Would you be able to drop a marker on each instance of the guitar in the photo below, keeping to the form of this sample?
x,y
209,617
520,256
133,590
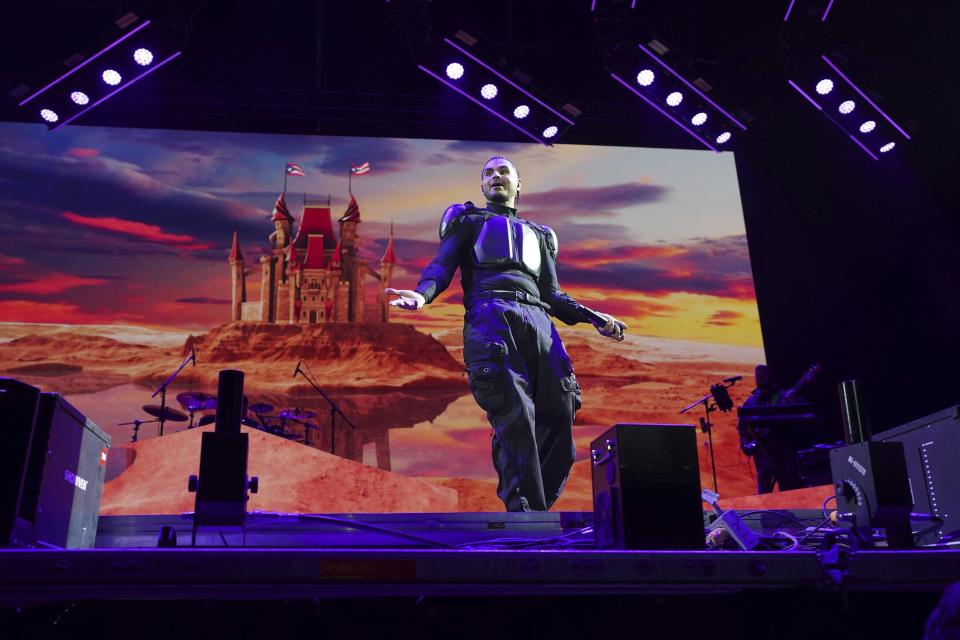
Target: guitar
x,y
748,437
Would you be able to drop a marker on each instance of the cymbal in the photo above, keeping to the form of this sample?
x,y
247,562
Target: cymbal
x,y
197,401
300,415
260,408
205,420
169,414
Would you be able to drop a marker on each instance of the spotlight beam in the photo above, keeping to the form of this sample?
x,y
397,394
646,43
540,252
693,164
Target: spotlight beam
x,y
693,88
819,108
507,80
85,63
661,110
117,90
825,13
789,9
477,102
865,97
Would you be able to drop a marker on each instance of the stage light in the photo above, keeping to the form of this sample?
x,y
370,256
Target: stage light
x,y
887,147
111,77
847,106
521,112
698,119
79,97
143,57
723,137
49,115
645,78
674,98
454,70
868,126
550,131
488,91
825,86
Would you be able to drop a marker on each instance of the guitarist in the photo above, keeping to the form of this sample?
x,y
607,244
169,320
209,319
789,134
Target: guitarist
x,y
774,448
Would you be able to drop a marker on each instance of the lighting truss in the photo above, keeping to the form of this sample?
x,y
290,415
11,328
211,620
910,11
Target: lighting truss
x,y
454,64
848,107
644,73
136,54
818,8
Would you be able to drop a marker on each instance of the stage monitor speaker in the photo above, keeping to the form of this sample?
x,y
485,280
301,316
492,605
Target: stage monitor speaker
x,y
60,501
870,479
18,413
931,447
646,487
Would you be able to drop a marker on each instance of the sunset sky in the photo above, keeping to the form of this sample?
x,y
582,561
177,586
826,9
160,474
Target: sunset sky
x,y
131,226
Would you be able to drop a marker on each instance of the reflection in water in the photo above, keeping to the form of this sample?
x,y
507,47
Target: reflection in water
x,y
373,414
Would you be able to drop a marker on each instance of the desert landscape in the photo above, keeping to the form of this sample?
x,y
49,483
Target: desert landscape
x,y
404,390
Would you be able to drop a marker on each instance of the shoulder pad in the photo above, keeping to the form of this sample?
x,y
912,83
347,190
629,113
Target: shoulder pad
x,y
552,243
451,216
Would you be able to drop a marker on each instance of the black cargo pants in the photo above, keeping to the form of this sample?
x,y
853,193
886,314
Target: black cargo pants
x,y
521,375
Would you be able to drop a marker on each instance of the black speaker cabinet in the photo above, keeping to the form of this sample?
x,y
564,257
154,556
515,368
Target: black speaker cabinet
x,y
646,487
18,413
60,501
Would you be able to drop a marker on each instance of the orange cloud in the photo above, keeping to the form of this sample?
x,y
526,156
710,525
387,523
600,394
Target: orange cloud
x,y
138,229
9,261
83,152
597,253
31,311
50,283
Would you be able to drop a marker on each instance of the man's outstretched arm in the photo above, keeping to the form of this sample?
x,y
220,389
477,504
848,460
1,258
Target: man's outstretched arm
x,y
437,275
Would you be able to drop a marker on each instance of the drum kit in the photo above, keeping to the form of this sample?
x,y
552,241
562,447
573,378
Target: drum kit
x,y
282,423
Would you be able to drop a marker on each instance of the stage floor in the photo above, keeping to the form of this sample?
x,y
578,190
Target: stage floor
x,y
282,556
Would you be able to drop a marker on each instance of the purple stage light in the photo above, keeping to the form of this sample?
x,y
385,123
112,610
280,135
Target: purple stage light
x,y
693,88
80,98
119,89
804,94
723,137
664,112
475,101
488,91
698,119
827,11
550,131
887,147
454,70
143,57
674,98
49,115
864,96
786,16
521,112
847,106
645,78
825,86
510,82
868,126
111,77
83,64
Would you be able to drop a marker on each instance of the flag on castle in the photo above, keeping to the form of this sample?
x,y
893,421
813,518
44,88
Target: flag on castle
x,y
294,170
359,170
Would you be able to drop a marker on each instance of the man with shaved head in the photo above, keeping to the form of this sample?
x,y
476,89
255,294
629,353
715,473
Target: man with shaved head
x,y
518,369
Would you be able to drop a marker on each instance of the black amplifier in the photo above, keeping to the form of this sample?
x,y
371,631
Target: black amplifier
x,y
60,501
646,487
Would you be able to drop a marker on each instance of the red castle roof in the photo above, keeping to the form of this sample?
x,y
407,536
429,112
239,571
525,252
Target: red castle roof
x,y
388,256
280,211
314,258
352,214
335,258
293,258
316,220
235,253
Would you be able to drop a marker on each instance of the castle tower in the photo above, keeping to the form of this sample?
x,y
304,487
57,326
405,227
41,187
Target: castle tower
x,y
238,280
315,289
354,270
279,241
387,263
282,225
340,289
293,285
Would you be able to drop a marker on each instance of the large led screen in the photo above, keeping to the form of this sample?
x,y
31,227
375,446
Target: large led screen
x,y
122,249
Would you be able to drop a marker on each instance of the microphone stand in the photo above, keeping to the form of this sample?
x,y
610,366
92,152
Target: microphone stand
x,y
162,389
334,410
136,426
707,427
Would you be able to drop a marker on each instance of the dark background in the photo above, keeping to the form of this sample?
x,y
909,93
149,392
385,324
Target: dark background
x,y
855,261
